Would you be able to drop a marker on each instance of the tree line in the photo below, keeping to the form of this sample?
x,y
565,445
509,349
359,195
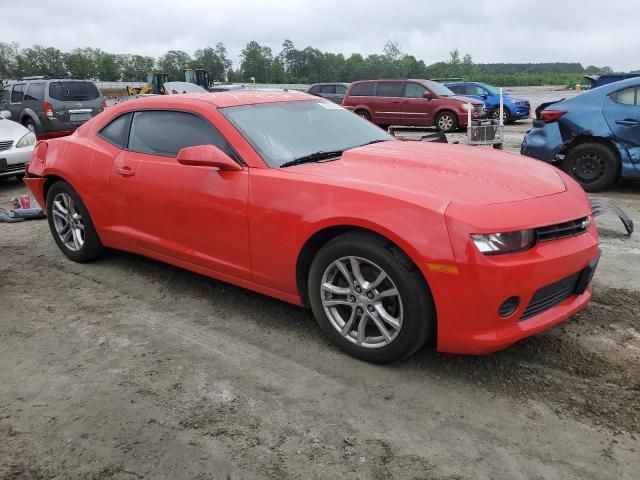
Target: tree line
x,y
289,65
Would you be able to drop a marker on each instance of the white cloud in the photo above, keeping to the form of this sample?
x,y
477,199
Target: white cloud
x,y
586,31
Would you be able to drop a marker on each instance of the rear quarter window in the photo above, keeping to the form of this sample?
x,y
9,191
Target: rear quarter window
x,y
364,89
117,131
73,91
35,92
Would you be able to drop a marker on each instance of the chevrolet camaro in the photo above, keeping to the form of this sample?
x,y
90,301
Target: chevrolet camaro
x,y
391,243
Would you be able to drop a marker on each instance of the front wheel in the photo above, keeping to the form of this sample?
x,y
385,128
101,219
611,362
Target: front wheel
x,y
370,299
71,225
506,116
447,122
592,165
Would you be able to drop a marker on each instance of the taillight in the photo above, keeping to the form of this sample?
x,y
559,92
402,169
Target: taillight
x,y
104,104
47,109
551,115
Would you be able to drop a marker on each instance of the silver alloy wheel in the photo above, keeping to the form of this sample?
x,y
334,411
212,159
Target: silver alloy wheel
x,y
68,222
445,122
496,115
362,302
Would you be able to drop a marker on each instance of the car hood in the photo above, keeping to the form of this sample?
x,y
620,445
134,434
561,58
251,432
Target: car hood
x,y
464,99
514,99
418,171
10,130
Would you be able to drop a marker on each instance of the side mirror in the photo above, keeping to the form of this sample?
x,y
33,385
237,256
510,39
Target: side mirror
x,y
207,156
427,95
485,96
5,114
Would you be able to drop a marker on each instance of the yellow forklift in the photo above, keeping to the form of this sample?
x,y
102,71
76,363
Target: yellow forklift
x,y
155,82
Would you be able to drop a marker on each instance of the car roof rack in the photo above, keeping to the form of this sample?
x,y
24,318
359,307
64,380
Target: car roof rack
x,y
35,77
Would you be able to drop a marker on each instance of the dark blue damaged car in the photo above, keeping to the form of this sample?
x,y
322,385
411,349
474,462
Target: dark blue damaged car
x,y
594,136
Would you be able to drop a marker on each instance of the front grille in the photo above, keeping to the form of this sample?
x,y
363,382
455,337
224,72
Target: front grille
x,y
6,145
551,295
562,230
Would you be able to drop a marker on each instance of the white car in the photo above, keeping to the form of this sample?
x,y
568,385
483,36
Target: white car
x,y
16,146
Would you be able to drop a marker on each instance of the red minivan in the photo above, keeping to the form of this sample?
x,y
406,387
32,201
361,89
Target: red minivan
x,y
423,103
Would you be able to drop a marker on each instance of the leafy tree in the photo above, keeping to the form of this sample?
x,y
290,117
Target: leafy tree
x,y
39,60
393,51
454,56
255,61
135,68
214,60
8,54
173,62
81,63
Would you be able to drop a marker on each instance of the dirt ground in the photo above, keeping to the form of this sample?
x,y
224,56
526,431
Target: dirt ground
x,y
127,368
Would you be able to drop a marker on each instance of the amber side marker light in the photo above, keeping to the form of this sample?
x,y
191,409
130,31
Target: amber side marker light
x,y
442,268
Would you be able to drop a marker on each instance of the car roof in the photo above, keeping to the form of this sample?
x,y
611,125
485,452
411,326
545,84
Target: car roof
x,y
329,83
232,98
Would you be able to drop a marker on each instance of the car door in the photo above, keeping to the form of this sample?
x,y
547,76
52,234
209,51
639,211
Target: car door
x,y
388,103
16,98
417,109
341,90
33,97
193,214
622,112
328,92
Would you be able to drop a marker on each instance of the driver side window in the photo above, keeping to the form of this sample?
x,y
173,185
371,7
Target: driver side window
x,y
165,132
413,90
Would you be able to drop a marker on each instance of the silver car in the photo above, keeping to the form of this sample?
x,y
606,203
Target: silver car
x,y
16,146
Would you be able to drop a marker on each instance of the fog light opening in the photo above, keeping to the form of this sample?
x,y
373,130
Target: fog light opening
x,y
509,306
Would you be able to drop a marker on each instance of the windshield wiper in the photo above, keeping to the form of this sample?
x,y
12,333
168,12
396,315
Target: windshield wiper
x,y
312,157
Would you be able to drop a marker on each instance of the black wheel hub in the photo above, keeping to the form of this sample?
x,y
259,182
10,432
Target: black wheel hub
x,y
589,167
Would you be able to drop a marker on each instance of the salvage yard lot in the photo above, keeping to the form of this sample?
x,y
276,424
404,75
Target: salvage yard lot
x,y
128,368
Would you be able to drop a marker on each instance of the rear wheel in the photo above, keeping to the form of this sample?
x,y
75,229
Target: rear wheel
x,y
447,121
592,165
31,126
71,225
370,299
364,114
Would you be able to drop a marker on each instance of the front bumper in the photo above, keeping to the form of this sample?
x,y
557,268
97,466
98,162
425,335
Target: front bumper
x,y
13,161
468,297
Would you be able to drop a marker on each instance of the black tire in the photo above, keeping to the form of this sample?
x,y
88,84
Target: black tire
x,y
92,248
364,114
417,307
446,121
495,115
31,125
19,177
592,165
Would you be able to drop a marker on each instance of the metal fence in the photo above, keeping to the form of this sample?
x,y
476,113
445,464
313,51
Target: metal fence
x,y
123,85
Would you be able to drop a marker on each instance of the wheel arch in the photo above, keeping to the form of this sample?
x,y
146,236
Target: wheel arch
x,y
29,114
323,236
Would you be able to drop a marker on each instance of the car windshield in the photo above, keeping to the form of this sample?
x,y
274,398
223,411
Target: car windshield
x,y
73,91
283,132
438,88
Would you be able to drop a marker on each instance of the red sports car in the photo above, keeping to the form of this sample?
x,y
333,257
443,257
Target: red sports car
x,y
391,243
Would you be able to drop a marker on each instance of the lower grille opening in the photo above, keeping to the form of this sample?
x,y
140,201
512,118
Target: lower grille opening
x,y
551,295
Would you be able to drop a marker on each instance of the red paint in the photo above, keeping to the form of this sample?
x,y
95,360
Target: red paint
x,y
249,226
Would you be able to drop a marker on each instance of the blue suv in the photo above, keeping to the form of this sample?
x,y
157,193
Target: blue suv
x,y
594,136
514,108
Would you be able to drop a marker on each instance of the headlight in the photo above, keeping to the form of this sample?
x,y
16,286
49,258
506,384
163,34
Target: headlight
x,y
26,141
497,243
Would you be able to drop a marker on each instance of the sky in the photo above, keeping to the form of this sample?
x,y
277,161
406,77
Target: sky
x,y
592,32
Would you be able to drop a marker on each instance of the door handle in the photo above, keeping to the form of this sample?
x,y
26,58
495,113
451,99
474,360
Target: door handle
x,y
628,123
125,171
